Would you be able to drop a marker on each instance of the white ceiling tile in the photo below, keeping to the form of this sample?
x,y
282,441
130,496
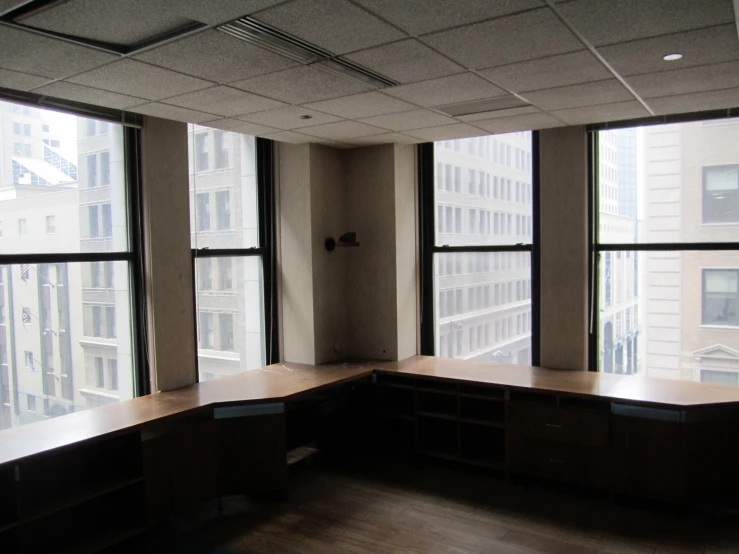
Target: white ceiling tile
x,y
336,25
224,101
610,21
20,81
552,71
447,132
422,16
698,101
605,112
700,47
216,11
506,40
288,118
387,138
342,130
685,81
87,95
406,61
289,136
403,121
139,79
165,111
115,21
216,56
576,96
22,51
498,113
301,84
238,126
367,104
446,90
530,122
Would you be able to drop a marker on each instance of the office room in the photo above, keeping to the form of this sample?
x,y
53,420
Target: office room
x,y
389,276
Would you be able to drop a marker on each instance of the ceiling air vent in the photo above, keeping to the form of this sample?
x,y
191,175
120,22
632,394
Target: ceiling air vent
x,y
267,37
482,106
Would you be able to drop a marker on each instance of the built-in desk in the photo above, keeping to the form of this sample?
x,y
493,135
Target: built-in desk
x,y
127,467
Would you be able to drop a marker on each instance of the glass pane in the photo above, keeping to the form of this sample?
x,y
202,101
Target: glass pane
x,y
63,169
483,306
65,339
670,183
670,315
223,189
484,190
230,315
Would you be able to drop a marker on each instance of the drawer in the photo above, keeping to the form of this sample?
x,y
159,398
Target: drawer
x,y
565,425
566,463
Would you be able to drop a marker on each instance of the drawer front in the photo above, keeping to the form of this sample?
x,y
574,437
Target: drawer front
x,y
572,464
556,424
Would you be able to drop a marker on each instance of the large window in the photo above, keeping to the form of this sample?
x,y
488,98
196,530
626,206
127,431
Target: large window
x,y
478,248
667,251
67,340
230,222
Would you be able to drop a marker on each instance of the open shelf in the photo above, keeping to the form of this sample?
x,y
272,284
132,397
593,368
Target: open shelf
x,y
482,445
481,410
399,381
436,403
481,391
397,402
436,385
398,434
438,436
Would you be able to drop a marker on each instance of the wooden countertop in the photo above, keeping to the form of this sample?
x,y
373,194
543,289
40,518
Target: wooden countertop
x,y
283,381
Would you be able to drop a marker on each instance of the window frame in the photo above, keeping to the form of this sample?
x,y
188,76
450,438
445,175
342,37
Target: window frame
x,y
428,247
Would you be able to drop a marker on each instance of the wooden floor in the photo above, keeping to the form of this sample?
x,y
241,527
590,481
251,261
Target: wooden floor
x,y
368,506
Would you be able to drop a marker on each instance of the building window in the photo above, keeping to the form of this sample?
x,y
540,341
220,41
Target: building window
x,y
224,273
220,149
720,295
50,224
28,360
107,220
27,150
92,218
95,275
97,321
223,209
110,322
226,331
202,211
108,271
99,372
721,194
92,170
91,124
112,377
105,168
22,227
205,274
719,377
206,331
30,403
16,128
201,152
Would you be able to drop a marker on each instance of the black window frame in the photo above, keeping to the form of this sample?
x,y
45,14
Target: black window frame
x,y
428,247
265,171
596,247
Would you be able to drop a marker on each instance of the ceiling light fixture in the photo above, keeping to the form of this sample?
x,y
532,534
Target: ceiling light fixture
x,y
483,106
672,57
306,117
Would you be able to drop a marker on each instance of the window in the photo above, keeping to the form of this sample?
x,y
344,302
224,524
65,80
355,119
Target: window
x,y
479,260
97,321
91,124
92,170
95,275
30,403
28,358
720,295
45,128
92,216
107,220
105,168
22,227
233,263
110,322
16,128
666,303
99,372
26,130
108,269
112,377
27,150
50,224
18,149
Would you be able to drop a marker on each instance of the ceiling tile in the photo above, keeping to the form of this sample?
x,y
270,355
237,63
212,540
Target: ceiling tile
x,y
224,101
698,101
406,61
506,40
289,136
387,138
367,104
289,118
700,47
301,84
165,111
552,71
216,11
416,119
20,81
422,16
342,130
238,126
114,21
446,90
216,56
139,79
528,122
22,51
685,81
498,113
87,95
575,96
610,21
335,25
447,132
605,112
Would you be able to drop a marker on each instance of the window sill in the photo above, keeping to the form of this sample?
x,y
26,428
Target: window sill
x,y
721,327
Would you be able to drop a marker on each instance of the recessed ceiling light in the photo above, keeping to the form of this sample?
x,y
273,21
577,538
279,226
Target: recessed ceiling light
x,y
306,117
672,57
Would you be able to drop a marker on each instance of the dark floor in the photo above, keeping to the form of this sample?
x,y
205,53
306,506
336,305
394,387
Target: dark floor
x,y
395,508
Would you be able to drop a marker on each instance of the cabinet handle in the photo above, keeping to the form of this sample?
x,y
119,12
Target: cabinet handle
x,y
553,426
556,461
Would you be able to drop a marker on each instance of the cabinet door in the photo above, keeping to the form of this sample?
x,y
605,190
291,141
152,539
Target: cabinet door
x,y
646,458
